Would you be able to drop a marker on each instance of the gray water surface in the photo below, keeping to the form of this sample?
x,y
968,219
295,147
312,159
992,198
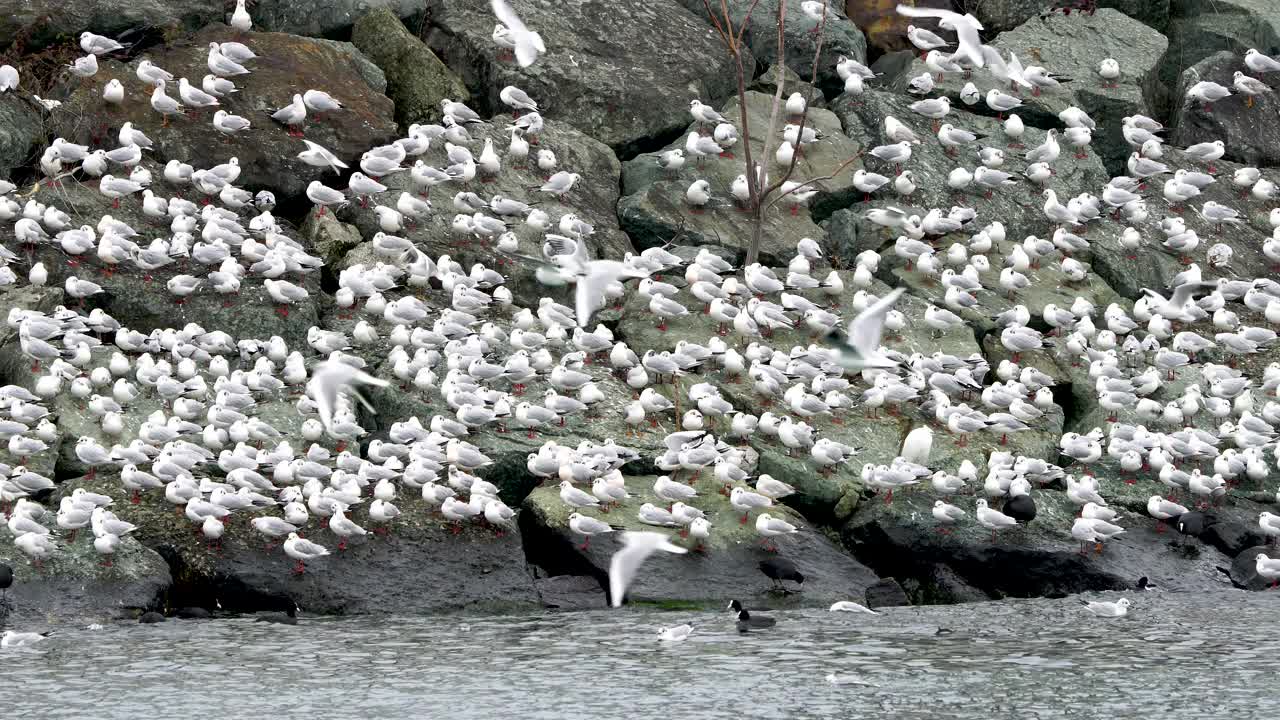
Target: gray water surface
x,y
1203,656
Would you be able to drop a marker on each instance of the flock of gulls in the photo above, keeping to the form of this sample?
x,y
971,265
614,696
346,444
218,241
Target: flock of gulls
x,y
207,453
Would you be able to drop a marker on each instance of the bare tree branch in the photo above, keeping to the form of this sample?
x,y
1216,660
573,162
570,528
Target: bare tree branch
x,y
804,116
746,20
811,181
728,21
781,65
715,23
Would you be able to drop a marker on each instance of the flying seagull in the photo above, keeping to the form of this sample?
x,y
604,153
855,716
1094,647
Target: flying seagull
x,y
859,347
636,547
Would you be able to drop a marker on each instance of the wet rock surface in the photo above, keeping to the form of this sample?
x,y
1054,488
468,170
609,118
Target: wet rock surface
x,y
580,82
286,65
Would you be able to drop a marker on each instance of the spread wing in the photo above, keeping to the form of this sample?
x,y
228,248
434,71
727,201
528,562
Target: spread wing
x,y
1186,292
866,328
637,546
508,17
910,11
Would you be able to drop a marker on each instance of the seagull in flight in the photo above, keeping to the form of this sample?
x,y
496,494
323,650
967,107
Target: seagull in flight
x,y
859,347
636,548
966,27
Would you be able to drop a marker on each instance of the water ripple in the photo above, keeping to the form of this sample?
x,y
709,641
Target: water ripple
x,y
1021,658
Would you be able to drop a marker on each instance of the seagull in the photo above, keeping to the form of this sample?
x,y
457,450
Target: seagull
x,y
860,346
1101,608
966,27
302,551
626,562
331,380
675,634
849,606
528,44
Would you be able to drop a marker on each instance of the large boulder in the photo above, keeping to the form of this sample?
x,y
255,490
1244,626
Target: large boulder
x,y
1036,559
15,368
654,209
1200,28
1154,266
1249,134
286,64
20,127
725,567
141,301
372,74
76,585
840,35
620,85
416,79
592,199
419,566
1019,208
1001,15
330,18
36,23
1072,46
1244,568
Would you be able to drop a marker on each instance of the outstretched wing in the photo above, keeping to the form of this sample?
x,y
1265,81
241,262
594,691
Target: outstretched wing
x,y
1186,292
637,546
866,328
508,17
910,11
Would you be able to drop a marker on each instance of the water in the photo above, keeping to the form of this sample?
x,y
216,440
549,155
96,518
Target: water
x,y
1203,655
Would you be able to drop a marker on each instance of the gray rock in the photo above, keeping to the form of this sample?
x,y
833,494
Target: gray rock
x,y
417,80
1244,572
20,127
1200,28
767,83
886,593
473,569
371,73
593,200
287,64
902,538
331,237
1001,15
1247,132
892,66
654,209
38,23
571,592
1072,46
140,300
625,94
74,585
331,18
942,586
1154,266
840,36
725,568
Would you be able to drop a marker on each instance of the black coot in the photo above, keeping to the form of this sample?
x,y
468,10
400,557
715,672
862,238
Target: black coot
x,y
780,569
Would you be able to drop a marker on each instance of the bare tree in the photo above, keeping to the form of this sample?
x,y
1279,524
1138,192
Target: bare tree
x,y
763,194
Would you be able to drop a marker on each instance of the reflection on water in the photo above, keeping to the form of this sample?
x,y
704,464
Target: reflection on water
x,y
1205,655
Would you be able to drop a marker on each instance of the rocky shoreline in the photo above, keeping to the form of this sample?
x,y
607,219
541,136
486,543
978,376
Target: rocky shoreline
x,y
611,109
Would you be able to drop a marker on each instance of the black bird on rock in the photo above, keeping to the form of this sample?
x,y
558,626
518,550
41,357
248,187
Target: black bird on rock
x,y
6,578
781,569
1021,508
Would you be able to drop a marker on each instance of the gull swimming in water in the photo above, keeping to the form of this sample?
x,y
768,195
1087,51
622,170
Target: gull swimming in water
x,y
1102,608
